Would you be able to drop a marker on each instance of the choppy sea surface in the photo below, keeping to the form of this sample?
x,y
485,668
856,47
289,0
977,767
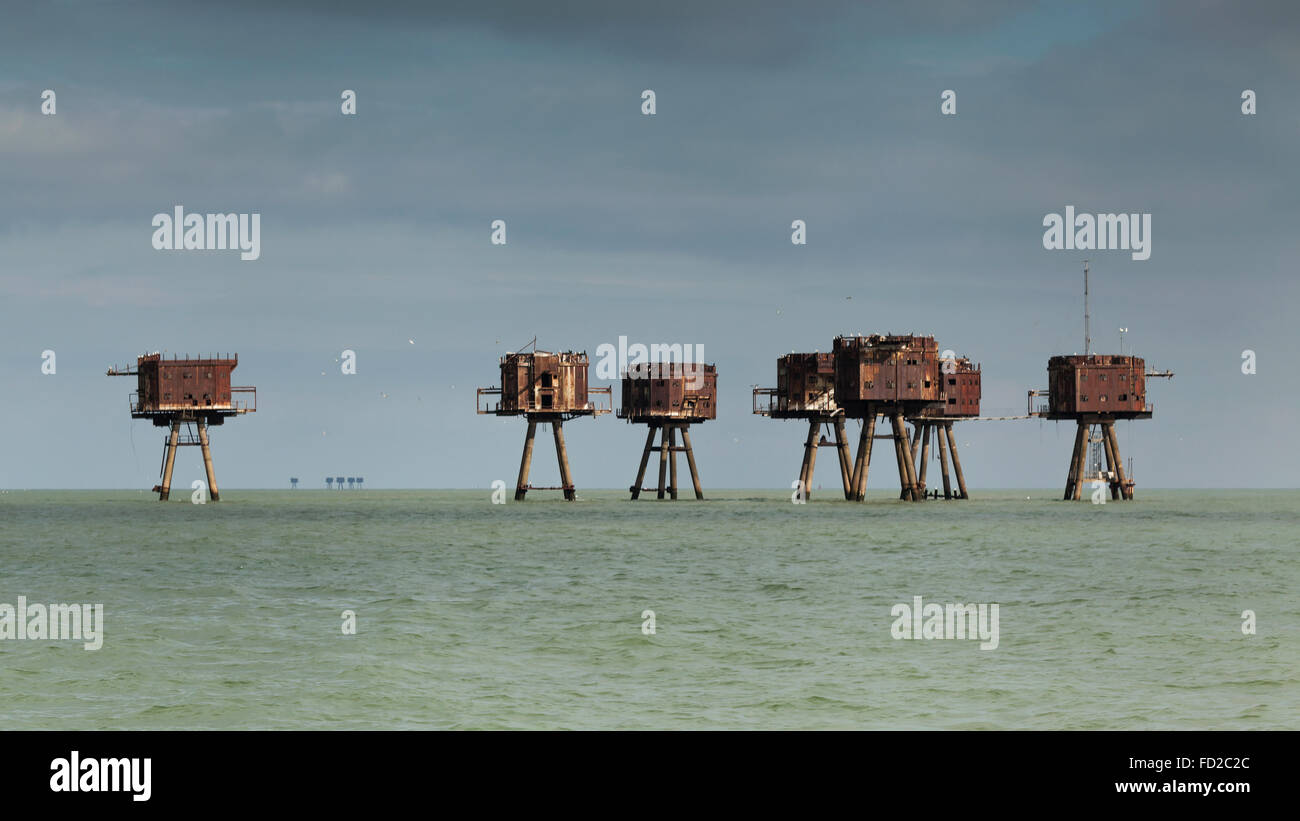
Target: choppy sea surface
x,y
766,614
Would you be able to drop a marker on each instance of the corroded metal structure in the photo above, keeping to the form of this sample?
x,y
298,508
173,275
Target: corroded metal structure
x,y
1096,390
544,387
895,376
805,389
668,398
187,396
960,391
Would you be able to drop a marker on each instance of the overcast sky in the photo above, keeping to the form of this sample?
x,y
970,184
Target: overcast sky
x,y
673,228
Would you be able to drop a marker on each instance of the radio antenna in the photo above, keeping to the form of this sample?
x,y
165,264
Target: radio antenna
x,y
1087,338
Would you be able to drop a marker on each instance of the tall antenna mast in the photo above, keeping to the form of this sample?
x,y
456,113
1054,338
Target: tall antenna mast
x,y
1087,338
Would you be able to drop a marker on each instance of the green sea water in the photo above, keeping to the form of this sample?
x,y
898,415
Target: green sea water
x,y
767,614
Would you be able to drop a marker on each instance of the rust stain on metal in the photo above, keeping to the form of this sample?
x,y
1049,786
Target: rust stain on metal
x,y
187,387
187,395
668,397
543,384
1094,384
960,391
805,388
898,376
895,369
1096,390
544,387
684,392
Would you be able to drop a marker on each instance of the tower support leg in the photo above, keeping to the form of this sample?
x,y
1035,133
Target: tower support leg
x,y
1082,471
863,464
898,459
956,462
1072,477
690,461
1113,479
645,460
169,462
562,453
672,461
942,439
900,451
1126,491
803,469
842,448
521,484
810,456
924,429
207,461
663,459
904,493
909,461
918,493
1081,460
855,478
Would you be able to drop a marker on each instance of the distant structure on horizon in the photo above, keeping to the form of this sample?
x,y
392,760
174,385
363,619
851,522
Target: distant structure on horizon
x,y
189,394
960,391
805,389
544,387
1095,390
293,482
667,397
900,377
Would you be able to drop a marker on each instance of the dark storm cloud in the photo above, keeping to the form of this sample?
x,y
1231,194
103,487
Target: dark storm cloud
x,y
1229,22
375,227
705,31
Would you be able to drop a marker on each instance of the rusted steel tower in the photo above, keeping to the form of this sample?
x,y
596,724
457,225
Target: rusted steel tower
x,y
805,389
668,398
186,393
960,389
1096,389
895,376
544,387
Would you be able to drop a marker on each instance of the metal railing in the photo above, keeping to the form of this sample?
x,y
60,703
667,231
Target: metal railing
x,y
766,401
236,405
595,406
243,406
684,411
770,400
492,407
1029,403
